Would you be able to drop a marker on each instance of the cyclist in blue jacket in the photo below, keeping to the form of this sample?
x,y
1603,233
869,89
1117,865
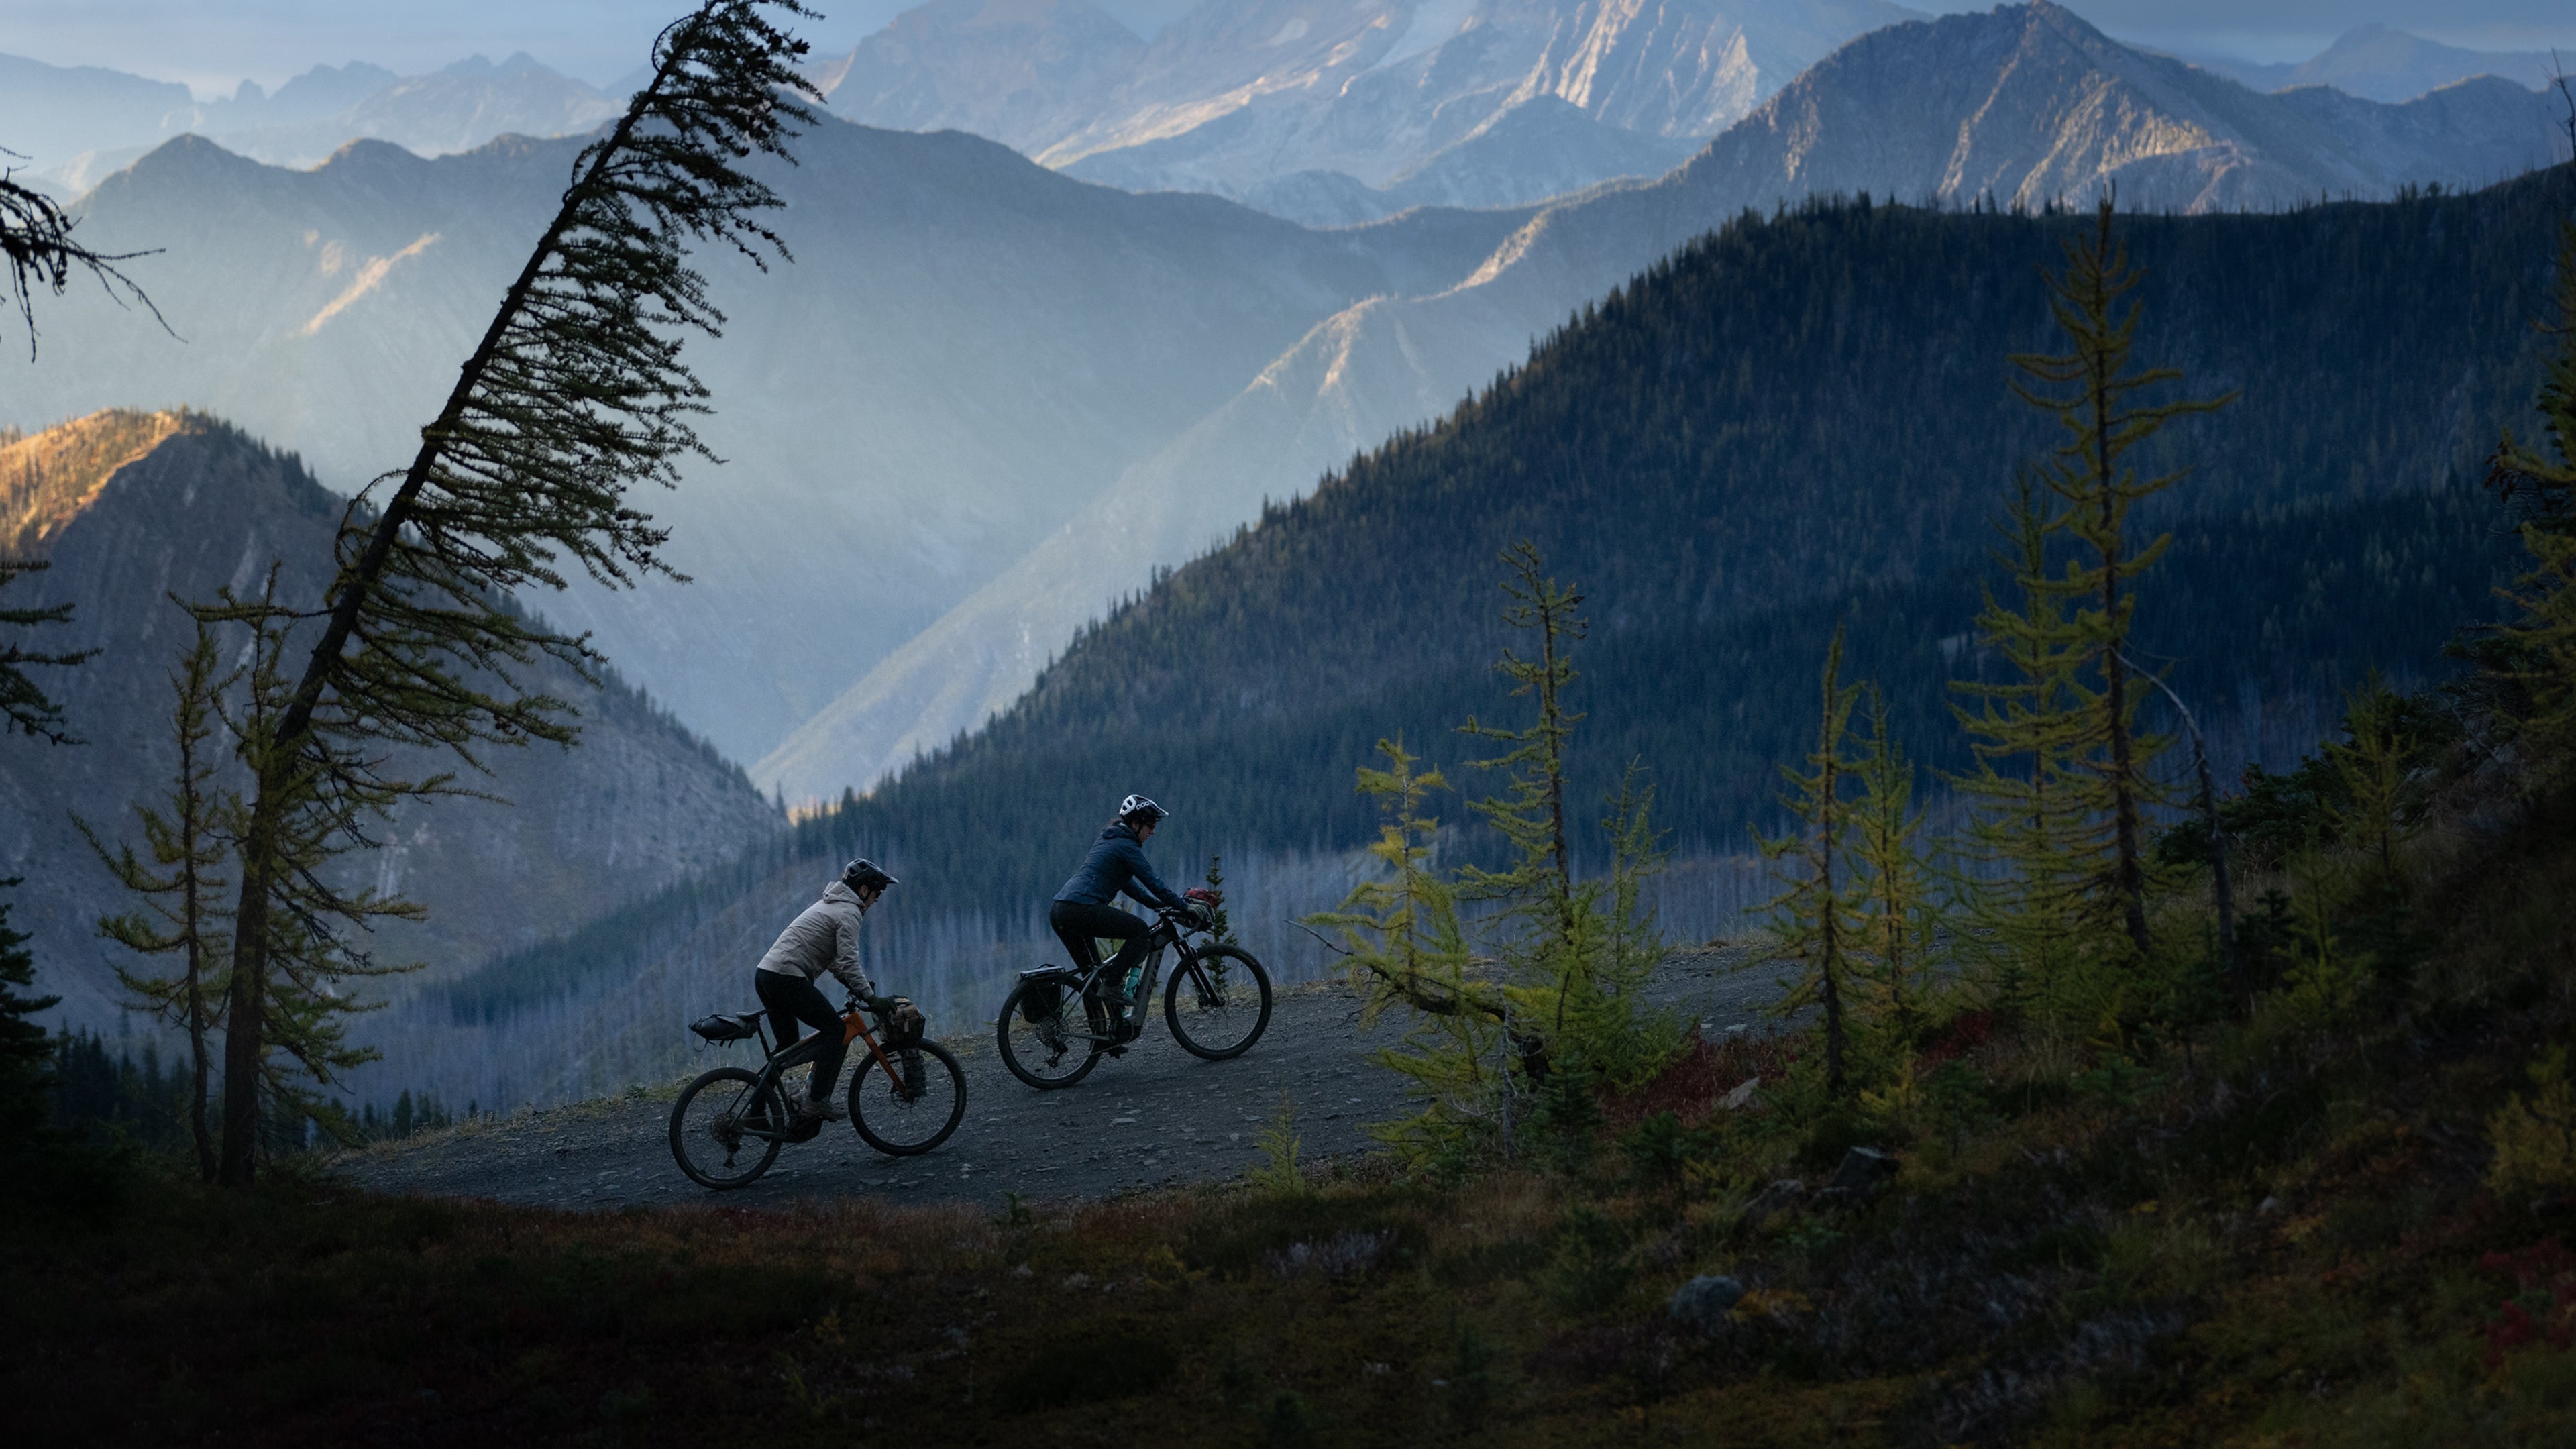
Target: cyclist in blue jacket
x,y
1082,912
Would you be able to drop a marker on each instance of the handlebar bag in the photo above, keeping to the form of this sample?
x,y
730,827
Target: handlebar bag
x,y
904,1022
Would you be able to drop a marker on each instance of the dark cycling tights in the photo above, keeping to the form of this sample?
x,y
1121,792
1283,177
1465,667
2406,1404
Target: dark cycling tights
x,y
1078,925
792,999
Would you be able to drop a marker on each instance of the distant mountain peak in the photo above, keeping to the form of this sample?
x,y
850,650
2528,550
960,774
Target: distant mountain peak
x,y
479,64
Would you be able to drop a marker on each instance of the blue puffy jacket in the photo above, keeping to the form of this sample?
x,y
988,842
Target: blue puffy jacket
x,y
1117,863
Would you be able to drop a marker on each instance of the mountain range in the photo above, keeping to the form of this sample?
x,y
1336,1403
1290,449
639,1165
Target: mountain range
x,y
2381,64
989,400
967,349
79,125
1332,110
2020,106
133,510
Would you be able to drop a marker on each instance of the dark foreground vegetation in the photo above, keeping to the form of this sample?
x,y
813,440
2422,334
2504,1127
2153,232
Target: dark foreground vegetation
x,y
2293,1228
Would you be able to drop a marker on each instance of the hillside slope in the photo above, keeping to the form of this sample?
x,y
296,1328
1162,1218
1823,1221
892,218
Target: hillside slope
x,y
1802,420
1797,417
132,508
2026,103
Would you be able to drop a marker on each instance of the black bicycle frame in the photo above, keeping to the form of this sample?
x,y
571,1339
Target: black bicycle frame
x,y
1166,934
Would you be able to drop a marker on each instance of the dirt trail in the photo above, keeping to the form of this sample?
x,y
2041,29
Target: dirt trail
x,y
1155,1117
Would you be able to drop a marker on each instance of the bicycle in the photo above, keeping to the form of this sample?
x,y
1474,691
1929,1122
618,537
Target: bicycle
x,y
1048,1044
728,1125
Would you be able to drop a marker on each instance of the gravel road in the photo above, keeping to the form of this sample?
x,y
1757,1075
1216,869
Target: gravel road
x,y
1155,1117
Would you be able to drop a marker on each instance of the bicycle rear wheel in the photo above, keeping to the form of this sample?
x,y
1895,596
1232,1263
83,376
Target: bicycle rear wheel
x,y
725,1129
915,1114
1219,1005
1055,1050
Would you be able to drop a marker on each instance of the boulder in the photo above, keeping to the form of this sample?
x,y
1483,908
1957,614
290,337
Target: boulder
x,y
1702,1302
1863,1172
1778,1198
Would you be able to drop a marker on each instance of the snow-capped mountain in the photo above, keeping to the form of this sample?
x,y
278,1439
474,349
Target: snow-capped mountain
x,y
1478,101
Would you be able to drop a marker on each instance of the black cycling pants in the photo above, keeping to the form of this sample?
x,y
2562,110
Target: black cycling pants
x,y
793,999
1078,925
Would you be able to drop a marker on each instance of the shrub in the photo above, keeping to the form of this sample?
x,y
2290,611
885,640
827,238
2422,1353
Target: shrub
x,y
2535,1140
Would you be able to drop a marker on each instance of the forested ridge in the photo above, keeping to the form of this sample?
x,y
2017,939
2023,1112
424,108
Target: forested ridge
x,y
1796,417
1800,418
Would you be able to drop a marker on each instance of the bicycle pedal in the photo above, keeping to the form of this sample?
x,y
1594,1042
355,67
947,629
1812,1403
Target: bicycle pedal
x,y
1114,1051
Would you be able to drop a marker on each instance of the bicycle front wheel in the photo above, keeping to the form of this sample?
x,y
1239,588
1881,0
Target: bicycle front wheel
x,y
1054,1050
915,1109
726,1127
1219,1004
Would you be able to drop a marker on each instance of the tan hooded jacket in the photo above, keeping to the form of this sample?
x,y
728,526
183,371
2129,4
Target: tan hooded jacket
x,y
824,937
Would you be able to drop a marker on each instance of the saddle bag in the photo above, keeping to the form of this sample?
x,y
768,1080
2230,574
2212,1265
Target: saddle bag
x,y
739,1027
1045,993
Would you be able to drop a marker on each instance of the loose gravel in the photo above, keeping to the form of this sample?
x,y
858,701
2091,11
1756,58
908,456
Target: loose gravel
x,y
1155,1117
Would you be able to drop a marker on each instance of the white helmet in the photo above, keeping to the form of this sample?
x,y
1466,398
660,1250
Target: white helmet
x,y
1136,805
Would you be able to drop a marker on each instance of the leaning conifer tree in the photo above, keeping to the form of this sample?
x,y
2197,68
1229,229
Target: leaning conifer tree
x,y
575,395
2092,391
1814,910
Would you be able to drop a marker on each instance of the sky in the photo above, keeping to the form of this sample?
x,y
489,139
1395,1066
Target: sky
x,y
212,45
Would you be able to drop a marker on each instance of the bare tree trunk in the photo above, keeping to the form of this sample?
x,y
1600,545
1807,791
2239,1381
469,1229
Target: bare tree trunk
x,y
244,1044
2222,888
2115,694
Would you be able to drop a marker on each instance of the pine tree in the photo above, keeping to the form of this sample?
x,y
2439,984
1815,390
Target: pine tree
x,y
188,843
2534,657
1403,945
1813,913
2028,915
575,394
2091,390
1570,955
1898,921
24,706
1220,928
317,928
25,1054
1539,888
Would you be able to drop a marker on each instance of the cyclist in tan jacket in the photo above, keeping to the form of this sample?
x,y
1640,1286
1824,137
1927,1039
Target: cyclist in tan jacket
x,y
824,937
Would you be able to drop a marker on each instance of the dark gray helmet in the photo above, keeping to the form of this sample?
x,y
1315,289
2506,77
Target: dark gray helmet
x,y
862,873
1136,809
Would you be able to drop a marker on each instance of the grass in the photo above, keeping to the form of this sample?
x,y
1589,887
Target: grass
x,y
2284,1235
